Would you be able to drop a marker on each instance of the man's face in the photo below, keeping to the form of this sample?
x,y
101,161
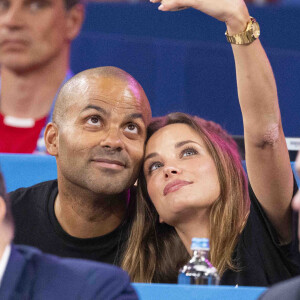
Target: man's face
x,y
32,32
101,138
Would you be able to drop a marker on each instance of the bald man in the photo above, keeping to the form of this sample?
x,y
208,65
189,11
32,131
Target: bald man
x,y
97,137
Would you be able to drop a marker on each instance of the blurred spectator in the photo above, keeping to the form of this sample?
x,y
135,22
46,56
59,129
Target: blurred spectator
x,y
35,39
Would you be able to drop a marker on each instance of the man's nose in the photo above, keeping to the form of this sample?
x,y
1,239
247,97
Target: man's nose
x,y
170,171
111,140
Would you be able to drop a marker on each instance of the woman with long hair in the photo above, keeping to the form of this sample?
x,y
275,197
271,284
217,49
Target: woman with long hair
x,y
193,183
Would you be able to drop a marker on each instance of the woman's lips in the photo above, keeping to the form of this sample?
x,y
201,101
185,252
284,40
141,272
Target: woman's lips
x,y
175,185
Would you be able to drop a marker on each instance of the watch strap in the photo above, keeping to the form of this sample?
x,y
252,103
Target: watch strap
x,y
245,37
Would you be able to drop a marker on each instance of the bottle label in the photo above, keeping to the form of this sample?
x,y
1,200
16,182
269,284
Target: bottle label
x,y
183,279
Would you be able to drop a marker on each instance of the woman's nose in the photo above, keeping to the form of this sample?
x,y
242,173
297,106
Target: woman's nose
x,y
171,171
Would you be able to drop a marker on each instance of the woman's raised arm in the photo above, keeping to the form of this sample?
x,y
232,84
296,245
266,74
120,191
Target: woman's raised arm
x,y
267,158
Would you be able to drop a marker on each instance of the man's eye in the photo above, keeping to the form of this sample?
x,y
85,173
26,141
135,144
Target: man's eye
x,y
94,120
188,152
37,4
4,5
132,128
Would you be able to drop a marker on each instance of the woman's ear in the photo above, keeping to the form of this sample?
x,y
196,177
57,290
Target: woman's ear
x,y
51,138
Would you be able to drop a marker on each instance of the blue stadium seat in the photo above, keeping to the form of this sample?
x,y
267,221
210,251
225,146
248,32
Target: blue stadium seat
x,y
22,170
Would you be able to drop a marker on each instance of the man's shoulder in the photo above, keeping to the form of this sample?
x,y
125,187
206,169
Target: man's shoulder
x,y
34,191
289,289
76,276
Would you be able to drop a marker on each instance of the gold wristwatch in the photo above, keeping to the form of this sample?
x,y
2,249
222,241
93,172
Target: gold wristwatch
x,y
251,33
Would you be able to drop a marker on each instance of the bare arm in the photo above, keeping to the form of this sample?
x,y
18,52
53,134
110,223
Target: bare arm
x,y
267,156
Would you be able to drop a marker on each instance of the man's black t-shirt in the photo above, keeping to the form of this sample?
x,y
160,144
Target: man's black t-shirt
x,y
36,225
261,259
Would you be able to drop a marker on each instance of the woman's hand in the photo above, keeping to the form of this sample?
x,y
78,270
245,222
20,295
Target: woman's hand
x,y
233,12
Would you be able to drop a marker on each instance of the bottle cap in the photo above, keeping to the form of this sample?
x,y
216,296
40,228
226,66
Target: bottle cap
x,y
200,244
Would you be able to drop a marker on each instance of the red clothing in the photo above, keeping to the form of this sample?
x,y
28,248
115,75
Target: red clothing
x,y
19,138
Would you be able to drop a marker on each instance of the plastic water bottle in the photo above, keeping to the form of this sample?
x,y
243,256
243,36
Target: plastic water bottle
x,y
199,270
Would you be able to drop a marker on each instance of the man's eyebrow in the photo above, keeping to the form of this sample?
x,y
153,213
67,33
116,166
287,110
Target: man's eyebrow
x,y
135,116
90,106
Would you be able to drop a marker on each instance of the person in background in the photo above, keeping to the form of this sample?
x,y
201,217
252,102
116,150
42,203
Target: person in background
x,y
193,183
97,137
35,39
289,289
27,273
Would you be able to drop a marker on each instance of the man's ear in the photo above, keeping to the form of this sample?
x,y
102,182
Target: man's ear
x,y
75,17
51,138
2,210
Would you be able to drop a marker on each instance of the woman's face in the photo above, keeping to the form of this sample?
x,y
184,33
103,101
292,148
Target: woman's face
x,y
181,175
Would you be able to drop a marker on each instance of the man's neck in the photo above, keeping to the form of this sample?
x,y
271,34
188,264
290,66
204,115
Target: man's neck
x,y
4,258
30,94
6,234
3,246
86,215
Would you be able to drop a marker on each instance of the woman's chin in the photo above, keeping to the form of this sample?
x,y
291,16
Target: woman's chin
x,y
178,213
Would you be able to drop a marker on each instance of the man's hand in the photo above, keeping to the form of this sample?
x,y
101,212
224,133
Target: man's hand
x,y
233,12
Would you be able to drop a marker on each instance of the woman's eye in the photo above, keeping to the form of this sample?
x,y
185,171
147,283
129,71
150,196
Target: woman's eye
x,y
154,166
132,128
94,120
189,152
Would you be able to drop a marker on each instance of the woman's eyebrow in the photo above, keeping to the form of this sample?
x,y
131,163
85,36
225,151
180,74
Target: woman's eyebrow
x,y
180,144
153,154
177,145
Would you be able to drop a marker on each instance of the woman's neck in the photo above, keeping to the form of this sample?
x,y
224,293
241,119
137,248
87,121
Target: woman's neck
x,y
197,225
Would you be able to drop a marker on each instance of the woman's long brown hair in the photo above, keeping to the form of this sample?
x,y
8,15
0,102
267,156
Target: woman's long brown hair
x,y
154,251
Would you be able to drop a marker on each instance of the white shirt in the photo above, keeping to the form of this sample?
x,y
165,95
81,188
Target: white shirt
x,y
4,261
